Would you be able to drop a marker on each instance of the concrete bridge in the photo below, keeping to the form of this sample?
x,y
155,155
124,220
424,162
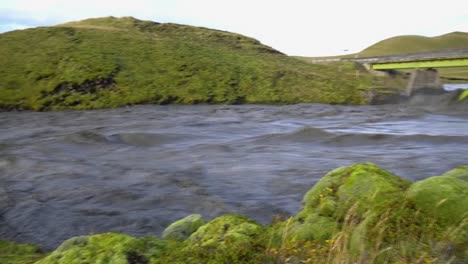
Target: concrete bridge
x,y
424,75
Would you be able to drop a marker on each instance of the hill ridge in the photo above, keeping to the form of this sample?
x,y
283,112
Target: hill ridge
x,y
88,64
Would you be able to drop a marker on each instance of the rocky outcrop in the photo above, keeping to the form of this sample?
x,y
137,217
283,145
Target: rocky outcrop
x,y
380,96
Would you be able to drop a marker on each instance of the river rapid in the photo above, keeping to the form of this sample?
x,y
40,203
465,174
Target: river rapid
x,y
135,170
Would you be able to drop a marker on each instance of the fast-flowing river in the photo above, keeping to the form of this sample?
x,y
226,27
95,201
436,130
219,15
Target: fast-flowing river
x,y
135,170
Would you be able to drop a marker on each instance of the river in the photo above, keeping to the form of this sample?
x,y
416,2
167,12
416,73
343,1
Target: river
x,y
135,170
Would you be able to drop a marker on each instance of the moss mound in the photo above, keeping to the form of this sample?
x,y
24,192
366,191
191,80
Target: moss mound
x,y
110,62
183,228
105,248
364,211
225,230
444,198
460,172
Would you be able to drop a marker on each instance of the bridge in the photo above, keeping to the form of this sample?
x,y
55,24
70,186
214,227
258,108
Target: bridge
x,y
435,59
424,75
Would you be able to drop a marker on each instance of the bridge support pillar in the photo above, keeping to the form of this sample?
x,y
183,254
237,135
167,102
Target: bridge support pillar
x,y
427,81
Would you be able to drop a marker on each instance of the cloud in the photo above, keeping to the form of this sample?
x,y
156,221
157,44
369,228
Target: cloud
x,y
296,27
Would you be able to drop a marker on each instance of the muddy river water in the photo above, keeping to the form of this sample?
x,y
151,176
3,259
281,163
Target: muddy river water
x,y
137,169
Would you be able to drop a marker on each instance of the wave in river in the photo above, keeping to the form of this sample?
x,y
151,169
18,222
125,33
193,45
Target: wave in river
x,y
322,136
132,139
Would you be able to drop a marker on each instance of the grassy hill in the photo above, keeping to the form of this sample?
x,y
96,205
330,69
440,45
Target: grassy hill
x,y
111,62
413,44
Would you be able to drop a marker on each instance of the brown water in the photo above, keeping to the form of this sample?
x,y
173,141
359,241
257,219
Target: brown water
x,y
135,170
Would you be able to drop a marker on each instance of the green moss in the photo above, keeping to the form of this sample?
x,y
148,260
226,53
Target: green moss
x,y
225,229
313,228
183,228
365,208
367,186
445,198
85,65
12,253
350,201
226,239
105,248
460,172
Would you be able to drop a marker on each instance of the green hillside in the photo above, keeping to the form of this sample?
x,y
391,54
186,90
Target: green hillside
x,y
411,44
111,62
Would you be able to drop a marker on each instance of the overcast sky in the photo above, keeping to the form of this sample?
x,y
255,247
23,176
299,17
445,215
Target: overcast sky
x,y
295,27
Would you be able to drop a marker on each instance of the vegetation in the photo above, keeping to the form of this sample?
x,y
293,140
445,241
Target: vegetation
x,y
111,62
463,95
355,214
11,253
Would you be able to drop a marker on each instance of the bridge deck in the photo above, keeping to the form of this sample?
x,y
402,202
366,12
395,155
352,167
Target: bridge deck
x,y
413,57
446,63
436,59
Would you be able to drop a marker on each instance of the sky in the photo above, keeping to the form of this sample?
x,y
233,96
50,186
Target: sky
x,y
295,27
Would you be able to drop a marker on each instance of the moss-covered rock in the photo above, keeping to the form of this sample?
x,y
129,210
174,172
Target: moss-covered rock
x,y
106,248
366,186
224,230
445,198
12,253
313,227
226,239
354,196
183,228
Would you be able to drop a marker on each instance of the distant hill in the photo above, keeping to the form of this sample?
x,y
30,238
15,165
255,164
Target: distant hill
x,y
111,62
412,44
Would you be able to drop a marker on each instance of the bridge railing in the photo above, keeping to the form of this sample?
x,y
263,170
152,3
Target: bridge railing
x,y
417,56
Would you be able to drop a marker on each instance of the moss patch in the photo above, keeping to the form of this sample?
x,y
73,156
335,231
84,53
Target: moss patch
x,y
106,248
12,253
183,228
367,186
445,198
